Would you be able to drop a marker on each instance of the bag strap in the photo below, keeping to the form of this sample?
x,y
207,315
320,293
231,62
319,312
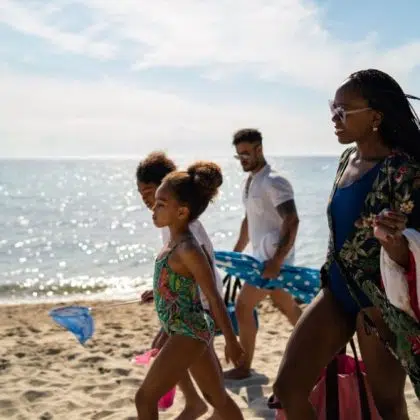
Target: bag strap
x,y
364,401
332,401
332,398
236,286
227,284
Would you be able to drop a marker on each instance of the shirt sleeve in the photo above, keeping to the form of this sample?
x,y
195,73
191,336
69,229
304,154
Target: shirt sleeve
x,y
279,190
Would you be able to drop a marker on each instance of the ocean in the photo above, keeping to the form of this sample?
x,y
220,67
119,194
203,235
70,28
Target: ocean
x,y
77,229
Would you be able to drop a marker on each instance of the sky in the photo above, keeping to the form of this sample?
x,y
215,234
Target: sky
x,y
122,78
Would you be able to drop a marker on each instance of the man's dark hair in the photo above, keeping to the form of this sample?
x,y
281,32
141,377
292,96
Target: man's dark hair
x,y
154,168
247,135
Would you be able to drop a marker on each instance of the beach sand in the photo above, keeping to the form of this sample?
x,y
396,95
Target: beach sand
x,y
46,374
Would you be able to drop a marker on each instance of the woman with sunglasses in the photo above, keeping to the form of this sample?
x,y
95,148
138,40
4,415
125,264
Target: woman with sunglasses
x,y
376,195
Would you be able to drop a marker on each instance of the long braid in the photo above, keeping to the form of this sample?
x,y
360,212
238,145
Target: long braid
x,y
400,127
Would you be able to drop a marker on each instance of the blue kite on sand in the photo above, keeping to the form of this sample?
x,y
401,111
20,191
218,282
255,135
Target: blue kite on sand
x,y
301,282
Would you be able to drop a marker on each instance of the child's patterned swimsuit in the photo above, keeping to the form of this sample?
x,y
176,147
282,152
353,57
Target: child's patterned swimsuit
x,y
178,303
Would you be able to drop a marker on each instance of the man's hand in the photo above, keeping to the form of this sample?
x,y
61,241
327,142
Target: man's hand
x,y
271,269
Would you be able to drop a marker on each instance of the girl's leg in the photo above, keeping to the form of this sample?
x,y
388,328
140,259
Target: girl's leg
x,y
385,374
207,372
178,353
194,404
195,407
215,415
322,330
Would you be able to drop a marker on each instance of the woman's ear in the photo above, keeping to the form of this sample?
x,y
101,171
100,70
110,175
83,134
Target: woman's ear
x,y
377,120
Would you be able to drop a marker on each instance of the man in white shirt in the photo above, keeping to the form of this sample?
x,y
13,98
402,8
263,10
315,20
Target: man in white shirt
x,y
270,225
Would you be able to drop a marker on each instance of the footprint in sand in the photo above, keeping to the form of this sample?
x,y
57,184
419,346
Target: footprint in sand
x,y
93,359
121,372
8,413
33,396
124,336
46,416
130,382
87,388
37,382
114,326
101,395
52,351
102,370
4,364
102,415
6,404
20,355
73,356
108,387
33,329
121,402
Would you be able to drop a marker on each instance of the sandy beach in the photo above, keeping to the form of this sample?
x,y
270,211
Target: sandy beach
x,y
46,374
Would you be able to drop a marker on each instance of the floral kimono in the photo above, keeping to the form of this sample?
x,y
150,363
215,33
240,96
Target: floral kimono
x,y
397,186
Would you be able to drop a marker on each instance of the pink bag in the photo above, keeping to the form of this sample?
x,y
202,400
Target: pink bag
x,y
167,400
342,392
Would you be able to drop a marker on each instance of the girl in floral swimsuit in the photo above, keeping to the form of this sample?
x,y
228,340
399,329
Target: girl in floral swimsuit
x,y
178,303
181,269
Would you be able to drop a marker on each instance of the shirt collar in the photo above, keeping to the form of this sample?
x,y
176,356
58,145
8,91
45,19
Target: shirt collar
x,y
263,171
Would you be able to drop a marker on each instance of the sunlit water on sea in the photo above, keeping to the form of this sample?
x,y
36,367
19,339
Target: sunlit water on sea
x,y
77,228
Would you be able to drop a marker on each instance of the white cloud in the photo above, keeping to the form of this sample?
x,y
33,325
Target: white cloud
x,y
278,40
270,39
45,117
32,18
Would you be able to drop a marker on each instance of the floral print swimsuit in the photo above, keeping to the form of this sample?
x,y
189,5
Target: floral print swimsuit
x,y
178,303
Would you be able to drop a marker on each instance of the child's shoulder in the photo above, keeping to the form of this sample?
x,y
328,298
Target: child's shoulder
x,y
188,244
189,248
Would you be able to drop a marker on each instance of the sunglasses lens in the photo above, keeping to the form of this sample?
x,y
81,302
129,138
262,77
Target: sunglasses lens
x,y
242,157
337,111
